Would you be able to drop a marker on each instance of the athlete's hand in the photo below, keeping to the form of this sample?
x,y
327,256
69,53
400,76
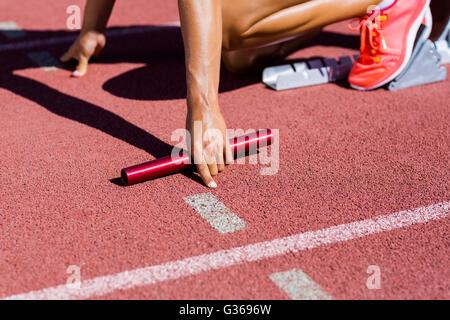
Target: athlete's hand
x,y
210,149
88,44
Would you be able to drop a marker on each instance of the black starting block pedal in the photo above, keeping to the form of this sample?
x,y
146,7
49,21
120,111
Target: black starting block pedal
x,y
425,66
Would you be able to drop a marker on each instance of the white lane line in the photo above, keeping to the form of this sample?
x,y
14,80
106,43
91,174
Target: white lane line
x,y
72,37
11,30
215,212
298,286
235,256
44,60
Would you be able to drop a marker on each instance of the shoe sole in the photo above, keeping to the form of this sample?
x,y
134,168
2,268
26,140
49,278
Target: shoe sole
x,y
409,49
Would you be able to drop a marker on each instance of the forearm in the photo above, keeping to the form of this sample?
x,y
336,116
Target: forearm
x,y
96,15
201,26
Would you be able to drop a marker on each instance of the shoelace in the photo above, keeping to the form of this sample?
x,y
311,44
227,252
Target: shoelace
x,y
370,26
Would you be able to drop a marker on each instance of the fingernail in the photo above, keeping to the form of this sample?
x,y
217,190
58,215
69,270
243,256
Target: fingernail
x,y
77,74
212,184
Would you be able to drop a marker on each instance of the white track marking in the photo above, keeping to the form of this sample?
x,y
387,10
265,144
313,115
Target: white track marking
x,y
11,30
298,286
44,60
235,256
72,37
215,212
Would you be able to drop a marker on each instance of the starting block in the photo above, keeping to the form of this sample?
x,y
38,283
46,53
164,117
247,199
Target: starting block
x,y
443,45
425,66
308,73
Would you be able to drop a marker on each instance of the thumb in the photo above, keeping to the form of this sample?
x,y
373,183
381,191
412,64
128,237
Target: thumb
x,y
66,56
101,42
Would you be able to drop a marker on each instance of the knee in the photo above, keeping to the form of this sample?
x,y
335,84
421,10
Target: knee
x,y
233,35
237,55
235,62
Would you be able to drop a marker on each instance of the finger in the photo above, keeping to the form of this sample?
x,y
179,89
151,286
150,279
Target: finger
x,y
228,152
211,161
203,170
219,159
67,56
81,67
201,163
97,51
100,45
213,169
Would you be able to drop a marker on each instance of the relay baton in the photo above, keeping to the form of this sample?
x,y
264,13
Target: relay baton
x,y
242,145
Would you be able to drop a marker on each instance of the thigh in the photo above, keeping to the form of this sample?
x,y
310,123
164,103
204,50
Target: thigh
x,y
253,23
253,60
238,16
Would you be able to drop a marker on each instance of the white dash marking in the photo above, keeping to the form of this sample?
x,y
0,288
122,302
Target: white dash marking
x,y
11,30
231,257
298,286
215,212
44,60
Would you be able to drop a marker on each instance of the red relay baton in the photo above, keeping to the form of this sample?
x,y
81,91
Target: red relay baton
x,y
167,165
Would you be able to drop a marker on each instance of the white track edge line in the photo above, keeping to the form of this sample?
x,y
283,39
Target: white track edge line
x,y
231,257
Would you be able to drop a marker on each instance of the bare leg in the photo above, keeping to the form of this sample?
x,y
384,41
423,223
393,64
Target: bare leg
x,y
253,60
258,31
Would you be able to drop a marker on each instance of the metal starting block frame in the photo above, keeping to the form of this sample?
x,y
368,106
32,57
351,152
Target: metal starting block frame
x,y
308,73
425,66
443,45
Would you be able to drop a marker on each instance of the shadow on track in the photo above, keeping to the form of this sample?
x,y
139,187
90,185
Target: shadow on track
x,y
163,78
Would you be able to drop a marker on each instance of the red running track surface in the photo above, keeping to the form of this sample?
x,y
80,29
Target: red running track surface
x,y
345,156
